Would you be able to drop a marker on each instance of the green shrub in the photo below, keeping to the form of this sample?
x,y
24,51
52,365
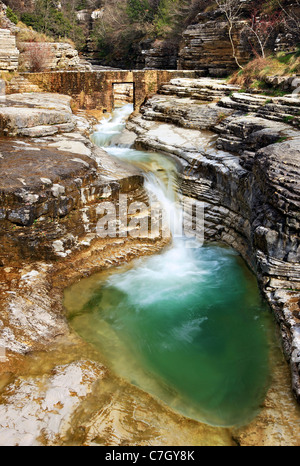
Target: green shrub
x,y
140,10
47,19
11,15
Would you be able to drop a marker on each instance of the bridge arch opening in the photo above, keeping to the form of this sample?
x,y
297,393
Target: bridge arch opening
x,y
123,93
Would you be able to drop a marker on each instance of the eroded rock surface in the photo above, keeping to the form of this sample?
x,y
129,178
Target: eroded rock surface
x,y
51,186
9,54
37,409
58,56
52,190
35,115
206,45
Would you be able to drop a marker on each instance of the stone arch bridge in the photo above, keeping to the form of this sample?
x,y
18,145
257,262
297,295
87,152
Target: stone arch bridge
x,y
94,89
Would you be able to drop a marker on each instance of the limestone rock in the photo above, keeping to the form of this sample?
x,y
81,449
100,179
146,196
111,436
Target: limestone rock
x,y
54,56
286,83
184,112
9,54
160,56
19,84
203,89
186,103
123,94
207,47
284,109
246,134
58,173
35,114
43,407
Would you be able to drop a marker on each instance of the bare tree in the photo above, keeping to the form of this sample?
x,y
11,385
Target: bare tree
x,y
232,9
38,56
292,16
261,30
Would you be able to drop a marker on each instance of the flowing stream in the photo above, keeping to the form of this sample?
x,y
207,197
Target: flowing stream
x,y
187,325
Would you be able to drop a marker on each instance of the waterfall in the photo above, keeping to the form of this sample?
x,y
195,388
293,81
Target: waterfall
x,y
160,174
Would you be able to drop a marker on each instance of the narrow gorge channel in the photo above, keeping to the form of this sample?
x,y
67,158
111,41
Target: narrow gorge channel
x,y
187,325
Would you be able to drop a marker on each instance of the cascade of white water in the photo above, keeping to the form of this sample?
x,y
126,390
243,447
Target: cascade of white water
x,y
159,171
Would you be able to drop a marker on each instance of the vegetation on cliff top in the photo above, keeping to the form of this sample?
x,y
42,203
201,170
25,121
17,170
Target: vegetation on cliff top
x,y
255,74
122,29
128,25
51,18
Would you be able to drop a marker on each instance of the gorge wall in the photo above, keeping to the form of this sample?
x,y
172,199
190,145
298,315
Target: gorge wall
x,y
206,46
9,53
193,35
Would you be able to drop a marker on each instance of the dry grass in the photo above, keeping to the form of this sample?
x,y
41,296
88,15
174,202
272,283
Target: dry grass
x,y
254,73
27,34
7,76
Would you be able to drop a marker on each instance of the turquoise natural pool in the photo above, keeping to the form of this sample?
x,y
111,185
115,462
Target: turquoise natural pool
x,y
187,325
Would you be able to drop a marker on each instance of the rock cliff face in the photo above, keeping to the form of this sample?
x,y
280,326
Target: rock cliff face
x,y
9,54
52,184
51,56
159,55
246,171
206,47
52,187
27,56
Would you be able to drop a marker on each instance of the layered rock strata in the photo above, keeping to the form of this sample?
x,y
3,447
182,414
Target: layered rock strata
x,y
52,55
35,56
283,109
52,192
52,184
9,54
245,168
18,84
206,46
160,56
123,94
51,187
35,114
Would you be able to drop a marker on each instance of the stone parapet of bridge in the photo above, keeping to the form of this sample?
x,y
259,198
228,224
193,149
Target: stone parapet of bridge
x,y
94,89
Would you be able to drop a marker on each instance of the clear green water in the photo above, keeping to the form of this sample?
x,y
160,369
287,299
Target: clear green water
x,y
187,325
